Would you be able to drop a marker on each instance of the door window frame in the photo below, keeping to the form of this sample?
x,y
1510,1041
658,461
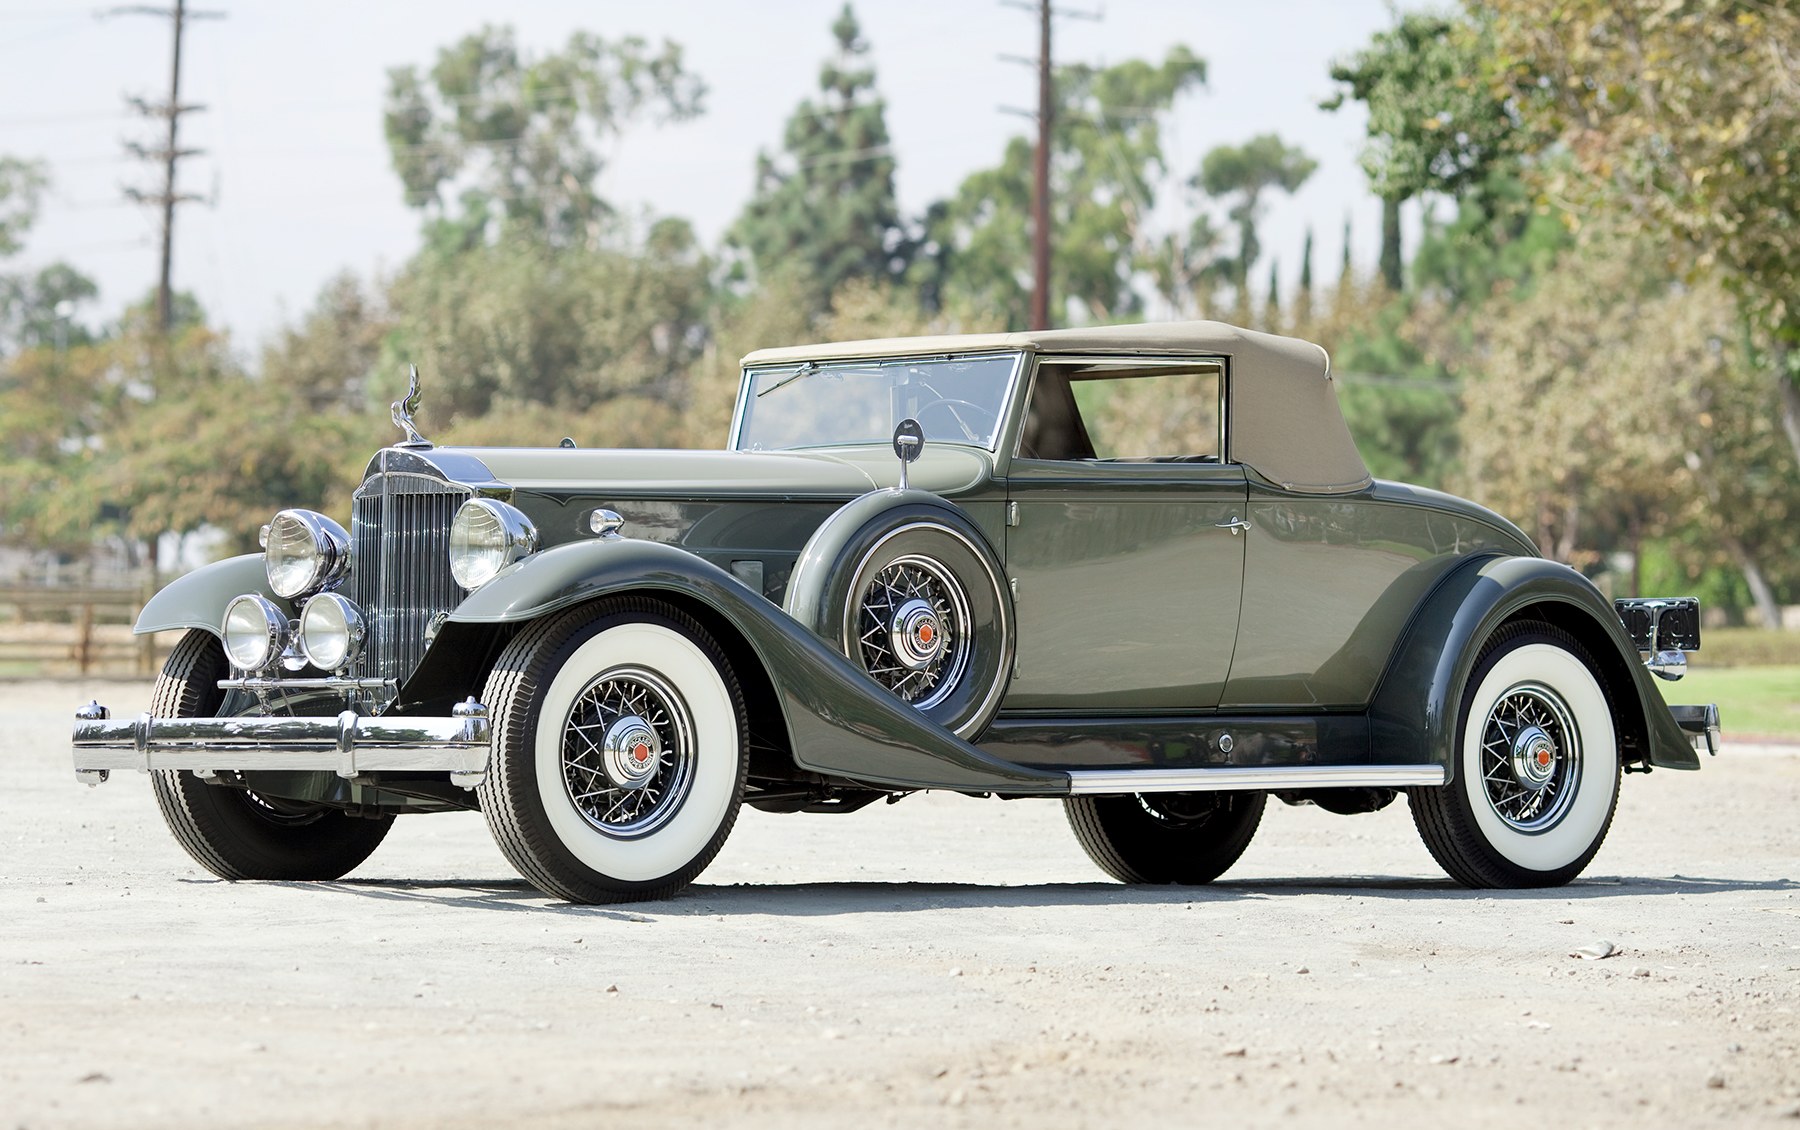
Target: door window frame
x,y
1008,449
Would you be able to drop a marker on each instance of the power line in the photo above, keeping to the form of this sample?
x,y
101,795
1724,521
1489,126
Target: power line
x,y
170,152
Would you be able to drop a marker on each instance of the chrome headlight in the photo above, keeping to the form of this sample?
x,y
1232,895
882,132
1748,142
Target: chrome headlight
x,y
305,552
331,632
485,537
255,631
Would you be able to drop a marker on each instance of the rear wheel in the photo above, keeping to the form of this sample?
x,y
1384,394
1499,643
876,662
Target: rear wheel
x,y
1181,838
1536,776
233,832
619,751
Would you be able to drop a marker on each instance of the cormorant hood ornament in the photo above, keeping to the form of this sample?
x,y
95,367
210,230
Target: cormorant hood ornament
x,y
403,409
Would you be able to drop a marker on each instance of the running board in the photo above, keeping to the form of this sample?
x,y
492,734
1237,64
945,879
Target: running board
x,y
1089,782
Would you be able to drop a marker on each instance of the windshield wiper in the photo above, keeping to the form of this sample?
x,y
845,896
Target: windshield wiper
x,y
806,369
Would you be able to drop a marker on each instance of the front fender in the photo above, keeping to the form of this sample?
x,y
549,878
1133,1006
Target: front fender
x,y
198,599
1414,713
840,723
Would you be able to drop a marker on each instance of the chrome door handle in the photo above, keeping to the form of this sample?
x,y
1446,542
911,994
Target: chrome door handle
x,y
1235,524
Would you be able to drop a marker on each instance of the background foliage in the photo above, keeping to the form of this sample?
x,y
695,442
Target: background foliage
x,y
1595,332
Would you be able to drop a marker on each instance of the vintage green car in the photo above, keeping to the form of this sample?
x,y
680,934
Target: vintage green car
x,y
1140,569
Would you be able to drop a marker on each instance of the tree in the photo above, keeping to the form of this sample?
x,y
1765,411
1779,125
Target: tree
x,y
515,141
54,409
332,358
1248,171
825,210
35,308
1106,164
1434,125
1500,238
1303,300
21,182
522,323
1687,118
1610,407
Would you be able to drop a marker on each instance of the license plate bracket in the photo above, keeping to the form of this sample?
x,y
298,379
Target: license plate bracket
x,y
1677,620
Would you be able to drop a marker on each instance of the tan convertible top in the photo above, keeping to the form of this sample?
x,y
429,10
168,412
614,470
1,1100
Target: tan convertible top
x,y
1285,421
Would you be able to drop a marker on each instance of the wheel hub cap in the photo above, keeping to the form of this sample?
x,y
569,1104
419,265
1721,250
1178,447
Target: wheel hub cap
x,y
911,629
1530,757
916,634
1534,758
630,752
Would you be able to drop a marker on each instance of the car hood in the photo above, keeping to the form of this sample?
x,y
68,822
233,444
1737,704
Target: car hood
x,y
651,473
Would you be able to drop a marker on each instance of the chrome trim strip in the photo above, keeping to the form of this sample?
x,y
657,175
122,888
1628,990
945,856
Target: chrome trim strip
x,y
1089,782
348,744
325,683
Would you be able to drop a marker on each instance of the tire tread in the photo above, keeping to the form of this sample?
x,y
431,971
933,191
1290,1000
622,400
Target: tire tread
x,y
1450,835
201,816
517,679
1105,827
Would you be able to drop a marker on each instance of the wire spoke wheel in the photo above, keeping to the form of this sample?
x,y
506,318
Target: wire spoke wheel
x,y
619,751
913,630
628,752
1530,757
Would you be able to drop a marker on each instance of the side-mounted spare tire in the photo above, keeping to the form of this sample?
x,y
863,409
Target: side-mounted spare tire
x,y
906,586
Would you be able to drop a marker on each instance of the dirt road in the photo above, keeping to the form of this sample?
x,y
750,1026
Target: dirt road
x,y
943,961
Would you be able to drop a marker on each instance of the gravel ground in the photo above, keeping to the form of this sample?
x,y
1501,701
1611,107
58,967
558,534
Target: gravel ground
x,y
942,961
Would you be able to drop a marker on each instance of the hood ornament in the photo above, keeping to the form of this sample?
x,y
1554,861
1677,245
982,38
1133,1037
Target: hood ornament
x,y
402,412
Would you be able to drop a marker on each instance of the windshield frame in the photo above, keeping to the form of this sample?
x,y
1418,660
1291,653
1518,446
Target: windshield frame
x,y
741,410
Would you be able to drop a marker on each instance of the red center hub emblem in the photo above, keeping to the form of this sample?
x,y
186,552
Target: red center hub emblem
x,y
926,632
640,753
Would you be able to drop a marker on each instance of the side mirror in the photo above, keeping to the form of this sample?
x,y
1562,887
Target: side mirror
x,y
909,444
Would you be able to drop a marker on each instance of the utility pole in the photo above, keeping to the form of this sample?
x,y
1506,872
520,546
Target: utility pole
x,y
170,152
1040,165
1040,180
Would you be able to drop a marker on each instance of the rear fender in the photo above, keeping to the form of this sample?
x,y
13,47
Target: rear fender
x,y
198,599
839,722
1414,713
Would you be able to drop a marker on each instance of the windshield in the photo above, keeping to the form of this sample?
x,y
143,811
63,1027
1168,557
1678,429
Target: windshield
x,y
834,403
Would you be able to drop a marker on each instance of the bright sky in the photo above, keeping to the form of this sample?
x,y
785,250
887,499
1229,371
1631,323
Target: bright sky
x,y
298,176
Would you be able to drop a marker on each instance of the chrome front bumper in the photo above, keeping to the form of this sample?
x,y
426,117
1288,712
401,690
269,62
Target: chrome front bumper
x,y
349,745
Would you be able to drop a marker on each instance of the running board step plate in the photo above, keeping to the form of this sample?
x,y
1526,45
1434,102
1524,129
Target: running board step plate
x,y
1090,782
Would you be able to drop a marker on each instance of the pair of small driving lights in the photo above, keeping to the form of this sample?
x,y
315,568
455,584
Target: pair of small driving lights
x,y
329,634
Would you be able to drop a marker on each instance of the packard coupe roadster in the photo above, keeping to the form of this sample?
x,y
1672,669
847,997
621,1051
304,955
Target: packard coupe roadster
x,y
1140,569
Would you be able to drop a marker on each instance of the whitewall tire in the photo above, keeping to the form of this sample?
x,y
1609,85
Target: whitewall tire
x,y
1536,775
619,751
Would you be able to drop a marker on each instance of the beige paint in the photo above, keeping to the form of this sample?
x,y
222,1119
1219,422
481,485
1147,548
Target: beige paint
x,y
1285,421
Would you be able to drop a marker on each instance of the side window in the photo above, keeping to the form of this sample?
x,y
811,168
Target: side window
x,y
1142,414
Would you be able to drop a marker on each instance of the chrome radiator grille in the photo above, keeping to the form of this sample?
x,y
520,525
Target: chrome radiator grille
x,y
400,566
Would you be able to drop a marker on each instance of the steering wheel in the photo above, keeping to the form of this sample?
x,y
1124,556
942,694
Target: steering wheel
x,y
949,405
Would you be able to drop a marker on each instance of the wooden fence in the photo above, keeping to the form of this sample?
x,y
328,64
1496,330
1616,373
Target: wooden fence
x,y
60,630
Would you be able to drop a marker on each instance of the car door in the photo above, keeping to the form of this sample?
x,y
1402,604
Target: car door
x,y
1127,570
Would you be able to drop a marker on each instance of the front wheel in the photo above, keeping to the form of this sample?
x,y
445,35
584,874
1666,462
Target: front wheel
x,y
233,832
1181,838
619,751
1536,776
